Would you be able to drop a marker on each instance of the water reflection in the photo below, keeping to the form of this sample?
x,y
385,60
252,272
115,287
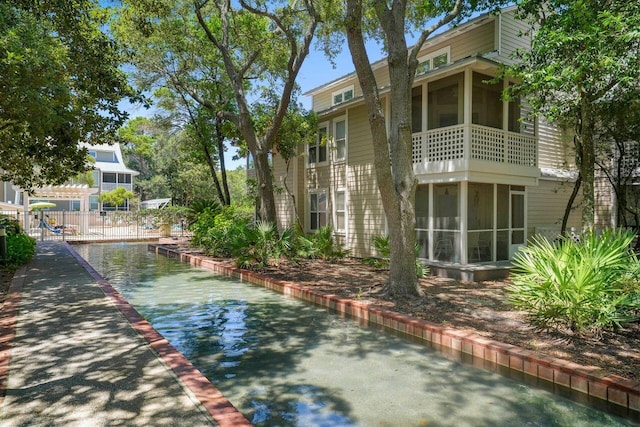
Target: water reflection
x,y
282,362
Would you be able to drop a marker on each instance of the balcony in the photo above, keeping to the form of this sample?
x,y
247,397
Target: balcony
x,y
465,149
109,186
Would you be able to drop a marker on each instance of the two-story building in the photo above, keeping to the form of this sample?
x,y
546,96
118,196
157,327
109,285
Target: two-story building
x,y
109,173
488,176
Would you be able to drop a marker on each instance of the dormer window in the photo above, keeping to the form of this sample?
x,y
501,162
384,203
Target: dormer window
x,y
433,60
342,95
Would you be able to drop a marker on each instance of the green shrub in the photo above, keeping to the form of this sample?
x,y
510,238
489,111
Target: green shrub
x,y
586,286
215,230
10,224
381,245
319,244
20,249
259,246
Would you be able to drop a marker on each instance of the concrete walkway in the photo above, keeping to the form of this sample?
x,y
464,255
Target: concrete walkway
x,y
75,359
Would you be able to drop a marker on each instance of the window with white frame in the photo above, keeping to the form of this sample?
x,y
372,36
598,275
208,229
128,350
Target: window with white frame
x,y
340,208
433,60
340,139
317,152
317,210
342,95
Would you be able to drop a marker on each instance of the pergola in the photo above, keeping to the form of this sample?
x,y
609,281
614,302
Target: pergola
x,y
79,192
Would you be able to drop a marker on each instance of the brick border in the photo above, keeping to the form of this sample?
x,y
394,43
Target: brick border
x,y
218,406
589,380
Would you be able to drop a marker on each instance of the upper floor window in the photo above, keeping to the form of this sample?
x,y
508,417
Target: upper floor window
x,y
318,150
106,156
124,178
340,139
109,177
342,95
433,60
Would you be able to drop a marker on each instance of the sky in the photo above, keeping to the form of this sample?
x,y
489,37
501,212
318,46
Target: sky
x,y
315,71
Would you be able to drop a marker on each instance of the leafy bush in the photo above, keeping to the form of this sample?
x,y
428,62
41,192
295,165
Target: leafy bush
x,y
586,286
381,245
214,230
20,249
260,246
319,244
11,225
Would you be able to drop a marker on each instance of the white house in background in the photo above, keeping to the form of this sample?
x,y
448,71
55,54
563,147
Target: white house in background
x,y
110,172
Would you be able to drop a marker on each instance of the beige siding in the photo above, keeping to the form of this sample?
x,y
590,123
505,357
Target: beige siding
x,y
365,212
514,35
604,203
546,205
554,146
284,203
477,40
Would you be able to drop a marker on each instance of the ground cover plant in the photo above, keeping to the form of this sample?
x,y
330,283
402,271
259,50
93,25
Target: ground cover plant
x,y
20,247
586,285
230,232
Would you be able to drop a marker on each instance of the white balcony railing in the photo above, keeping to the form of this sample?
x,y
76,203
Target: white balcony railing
x,y
108,186
475,142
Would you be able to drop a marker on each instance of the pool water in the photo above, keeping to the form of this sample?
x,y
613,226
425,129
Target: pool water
x,y
287,363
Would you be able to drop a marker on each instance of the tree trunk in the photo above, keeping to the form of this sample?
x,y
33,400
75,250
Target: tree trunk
x,y
587,165
392,155
572,199
267,206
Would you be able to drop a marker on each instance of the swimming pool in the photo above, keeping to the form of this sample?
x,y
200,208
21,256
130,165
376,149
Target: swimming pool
x,y
284,362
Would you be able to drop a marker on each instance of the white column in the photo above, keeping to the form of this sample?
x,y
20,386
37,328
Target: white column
x,y
84,213
464,208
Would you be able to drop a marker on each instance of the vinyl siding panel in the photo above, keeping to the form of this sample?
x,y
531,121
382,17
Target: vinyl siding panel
x,y
554,150
514,35
284,204
603,203
477,40
546,205
364,207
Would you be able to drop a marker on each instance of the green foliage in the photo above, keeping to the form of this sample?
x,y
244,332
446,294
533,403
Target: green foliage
x,y
319,244
11,225
586,286
381,245
60,83
219,232
20,249
116,197
260,246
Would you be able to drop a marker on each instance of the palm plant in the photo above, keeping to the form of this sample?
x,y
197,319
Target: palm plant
x,y
585,286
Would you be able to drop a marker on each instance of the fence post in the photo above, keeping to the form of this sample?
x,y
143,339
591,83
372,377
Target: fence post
x,y
63,226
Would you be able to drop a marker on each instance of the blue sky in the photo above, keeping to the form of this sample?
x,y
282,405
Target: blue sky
x,y
315,71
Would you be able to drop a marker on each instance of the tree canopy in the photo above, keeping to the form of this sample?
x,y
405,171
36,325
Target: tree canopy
x,y
584,59
59,84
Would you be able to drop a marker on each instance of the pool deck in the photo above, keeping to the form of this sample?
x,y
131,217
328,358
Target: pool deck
x,y
74,352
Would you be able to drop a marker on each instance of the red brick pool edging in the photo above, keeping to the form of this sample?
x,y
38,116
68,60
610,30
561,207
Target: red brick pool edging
x,y
219,407
589,380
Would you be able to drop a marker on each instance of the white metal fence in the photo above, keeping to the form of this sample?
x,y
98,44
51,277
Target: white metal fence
x,y
96,225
